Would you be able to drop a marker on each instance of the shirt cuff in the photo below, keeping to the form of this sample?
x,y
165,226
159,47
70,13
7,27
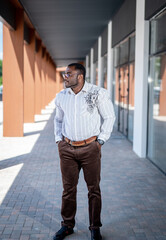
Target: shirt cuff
x,y
102,137
58,138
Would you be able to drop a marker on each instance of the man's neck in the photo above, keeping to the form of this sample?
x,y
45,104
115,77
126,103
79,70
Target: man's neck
x,y
77,89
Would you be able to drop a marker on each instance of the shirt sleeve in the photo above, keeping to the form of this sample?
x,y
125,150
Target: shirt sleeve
x,y
58,119
106,111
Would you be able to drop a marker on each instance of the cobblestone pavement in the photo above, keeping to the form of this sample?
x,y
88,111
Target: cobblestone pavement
x,y
133,189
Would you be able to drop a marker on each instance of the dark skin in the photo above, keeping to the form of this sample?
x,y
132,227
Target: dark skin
x,y
75,82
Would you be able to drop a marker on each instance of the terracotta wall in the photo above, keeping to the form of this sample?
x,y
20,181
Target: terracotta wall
x,y
38,89
13,78
29,76
43,79
29,79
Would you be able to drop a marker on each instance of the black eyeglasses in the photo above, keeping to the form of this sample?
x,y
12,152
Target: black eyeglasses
x,y
67,75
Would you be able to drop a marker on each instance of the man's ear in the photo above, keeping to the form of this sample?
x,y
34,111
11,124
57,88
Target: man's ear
x,y
81,77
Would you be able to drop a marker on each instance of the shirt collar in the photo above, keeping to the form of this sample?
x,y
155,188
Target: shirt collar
x,y
85,87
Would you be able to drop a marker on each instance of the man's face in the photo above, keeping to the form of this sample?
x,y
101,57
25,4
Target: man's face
x,y
71,77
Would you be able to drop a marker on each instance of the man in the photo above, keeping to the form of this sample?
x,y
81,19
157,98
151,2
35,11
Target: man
x,y
80,135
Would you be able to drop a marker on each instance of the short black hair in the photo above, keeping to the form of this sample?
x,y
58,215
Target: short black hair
x,y
79,67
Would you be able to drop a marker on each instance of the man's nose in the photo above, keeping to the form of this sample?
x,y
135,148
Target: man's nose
x,y
65,76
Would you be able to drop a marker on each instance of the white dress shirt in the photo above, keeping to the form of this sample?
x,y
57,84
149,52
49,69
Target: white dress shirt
x,y
78,116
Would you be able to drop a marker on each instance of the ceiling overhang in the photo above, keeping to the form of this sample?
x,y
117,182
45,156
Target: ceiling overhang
x,y
70,28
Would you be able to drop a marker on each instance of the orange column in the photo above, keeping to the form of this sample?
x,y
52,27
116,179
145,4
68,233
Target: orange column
x,y
38,57
43,78
52,81
29,78
13,78
59,81
55,83
50,87
47,79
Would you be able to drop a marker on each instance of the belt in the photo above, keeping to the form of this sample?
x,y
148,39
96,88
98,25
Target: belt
x,y
80,143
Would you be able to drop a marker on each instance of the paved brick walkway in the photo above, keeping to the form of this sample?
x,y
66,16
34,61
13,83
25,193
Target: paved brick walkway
x,y
133,190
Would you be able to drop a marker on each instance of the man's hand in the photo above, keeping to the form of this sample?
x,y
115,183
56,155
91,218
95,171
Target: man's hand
x,y
99,145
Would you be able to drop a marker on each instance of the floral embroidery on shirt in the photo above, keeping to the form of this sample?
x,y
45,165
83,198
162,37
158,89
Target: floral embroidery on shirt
x,y
92,99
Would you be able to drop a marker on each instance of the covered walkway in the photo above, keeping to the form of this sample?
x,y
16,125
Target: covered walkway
x,y
133,190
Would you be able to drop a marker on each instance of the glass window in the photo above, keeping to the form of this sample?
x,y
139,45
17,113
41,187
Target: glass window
x,y
157,93
123,98
116,56
131,101
123,86
132,49
105,71
158,35
116,95
157,111
124,52
89,74
96,72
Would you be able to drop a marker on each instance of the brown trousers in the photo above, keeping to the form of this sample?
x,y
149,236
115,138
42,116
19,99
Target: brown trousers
x,y
87,157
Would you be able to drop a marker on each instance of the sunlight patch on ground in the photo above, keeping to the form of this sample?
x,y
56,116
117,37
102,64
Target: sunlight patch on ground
x,y
7,177
15,146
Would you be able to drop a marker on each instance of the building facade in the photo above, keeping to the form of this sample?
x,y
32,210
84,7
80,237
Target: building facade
x,y
130,61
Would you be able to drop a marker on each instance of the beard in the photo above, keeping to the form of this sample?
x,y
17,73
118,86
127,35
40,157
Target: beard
x,y
69,84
